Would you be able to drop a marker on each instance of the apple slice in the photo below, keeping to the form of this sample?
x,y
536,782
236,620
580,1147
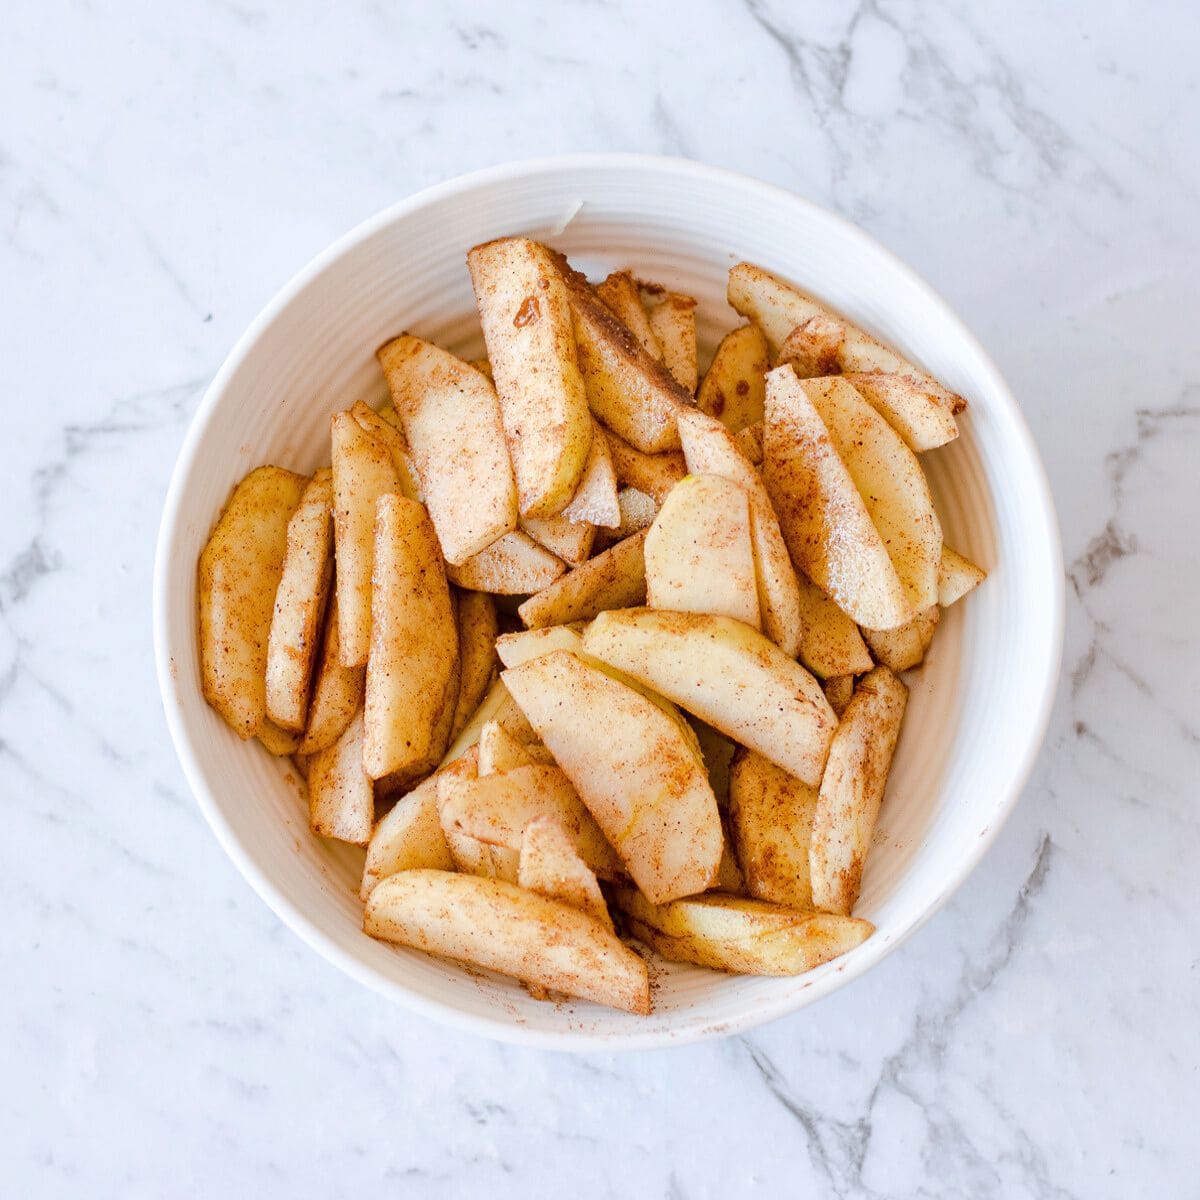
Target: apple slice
x,y
698,551
475,619
831,644
710,449
550,865
727,674
495,809
825,523
748,937
413,669
363,471
779,308
635,763
452,424
908,408
408,838
595,499
638,510
838,691
904,648
956,576
635,396
516,648
654,474
237,582
513,565
506,928
620,293
569,540
733,390
527,326
672,318
614,579
499,751
852,789
771,817
890,481
497,705
341,796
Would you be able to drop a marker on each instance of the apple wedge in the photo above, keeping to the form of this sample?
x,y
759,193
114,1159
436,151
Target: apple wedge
x,y
891,482
771,818
727,674
614,579
634,762
672,318
779,308
413,668
813,348
468,854
237,581
733,389
710,449
919,418
632,394
514,565
956,576
280,742
363,470
620,294
387,429
495,809
637,509
527,325
831,643
749,937
718,752
729,874
852,789
550,865
499,706
337,692
499,751
451,419
516,648
300,602
475,619
750,442
341,796
654,474
824,521
569,540
595,499
905,647
505,928
408,838
698,551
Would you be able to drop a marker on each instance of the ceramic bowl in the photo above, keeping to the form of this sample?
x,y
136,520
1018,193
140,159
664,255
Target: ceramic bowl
x,y
979,705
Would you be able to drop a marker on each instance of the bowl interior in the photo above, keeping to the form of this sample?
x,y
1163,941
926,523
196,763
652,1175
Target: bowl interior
x,y
977,707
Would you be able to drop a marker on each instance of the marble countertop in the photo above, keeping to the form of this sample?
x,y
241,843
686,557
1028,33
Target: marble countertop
x,y
163,172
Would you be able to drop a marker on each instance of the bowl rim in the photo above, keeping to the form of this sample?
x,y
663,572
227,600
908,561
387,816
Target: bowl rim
x,y
874,949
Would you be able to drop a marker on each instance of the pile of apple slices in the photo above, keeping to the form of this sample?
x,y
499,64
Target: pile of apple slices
x,y
702,592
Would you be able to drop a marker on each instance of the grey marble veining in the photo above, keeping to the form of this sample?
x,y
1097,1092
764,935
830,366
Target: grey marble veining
x,y
162,173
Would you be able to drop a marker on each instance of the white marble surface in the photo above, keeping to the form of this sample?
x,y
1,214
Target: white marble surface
x,y
164,168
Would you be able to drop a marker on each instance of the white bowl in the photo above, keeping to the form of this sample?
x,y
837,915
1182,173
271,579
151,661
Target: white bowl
x,y
979,706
